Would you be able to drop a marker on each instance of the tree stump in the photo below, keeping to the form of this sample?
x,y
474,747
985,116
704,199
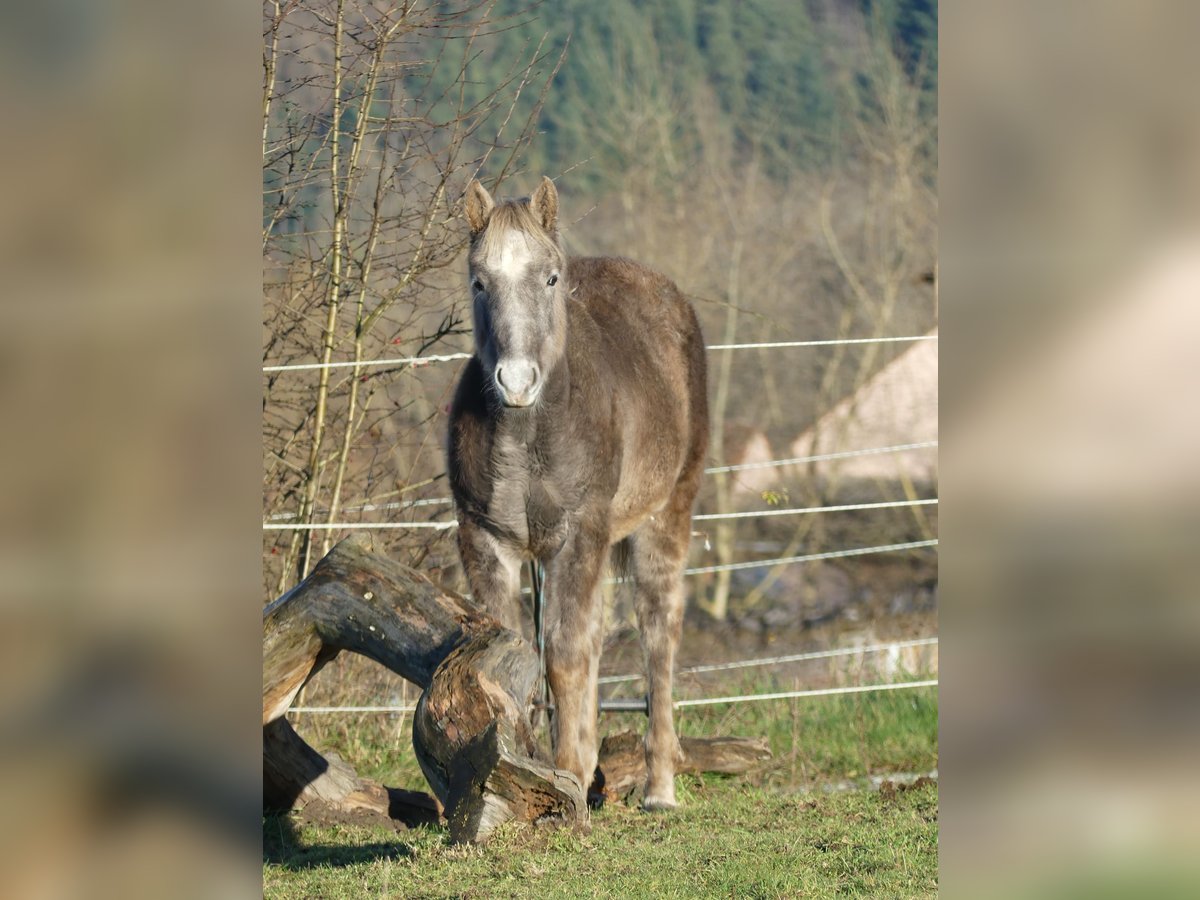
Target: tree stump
x,y
471,731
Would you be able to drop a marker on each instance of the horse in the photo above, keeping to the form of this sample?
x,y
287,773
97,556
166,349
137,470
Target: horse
x,y
578,433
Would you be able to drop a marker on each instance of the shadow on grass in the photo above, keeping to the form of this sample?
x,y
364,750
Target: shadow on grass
x,y
283,846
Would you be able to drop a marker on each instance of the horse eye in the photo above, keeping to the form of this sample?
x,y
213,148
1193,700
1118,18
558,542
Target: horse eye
x,y
553,280
477,286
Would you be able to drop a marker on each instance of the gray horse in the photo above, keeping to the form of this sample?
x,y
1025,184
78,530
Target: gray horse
x,y
579,429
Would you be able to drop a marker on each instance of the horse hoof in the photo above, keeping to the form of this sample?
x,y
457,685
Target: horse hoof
x,y
659,804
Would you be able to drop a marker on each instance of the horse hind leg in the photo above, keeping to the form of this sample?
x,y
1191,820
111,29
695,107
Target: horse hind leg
x,y
589,740
659,551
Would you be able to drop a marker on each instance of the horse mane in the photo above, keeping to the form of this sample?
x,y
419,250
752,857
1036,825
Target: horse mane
x,y
515,215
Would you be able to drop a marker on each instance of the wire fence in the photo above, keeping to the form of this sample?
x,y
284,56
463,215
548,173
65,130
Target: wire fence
x,y
782,660
417,361
846,507
271,524
279,522
374,507
813,692
447,501
413,361
843,454
354,526
703,517
635,705
809,557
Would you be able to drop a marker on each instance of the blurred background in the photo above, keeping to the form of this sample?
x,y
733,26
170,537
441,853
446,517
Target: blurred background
x,y
1070,184
131,483
169,231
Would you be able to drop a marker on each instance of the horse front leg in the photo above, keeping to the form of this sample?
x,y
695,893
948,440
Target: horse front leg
x,y
574,619
493,572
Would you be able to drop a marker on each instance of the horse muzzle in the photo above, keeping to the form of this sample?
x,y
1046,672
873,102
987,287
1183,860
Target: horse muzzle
x,y
519,381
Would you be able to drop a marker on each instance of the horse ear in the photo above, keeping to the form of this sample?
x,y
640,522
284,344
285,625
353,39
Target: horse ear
x,y
479,206
544,204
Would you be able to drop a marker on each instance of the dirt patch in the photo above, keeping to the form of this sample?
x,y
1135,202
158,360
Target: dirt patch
x,y
318,812
890,789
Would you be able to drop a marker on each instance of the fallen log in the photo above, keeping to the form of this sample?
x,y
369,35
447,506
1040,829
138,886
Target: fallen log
x,y
328,791
471,731
623,759
472,734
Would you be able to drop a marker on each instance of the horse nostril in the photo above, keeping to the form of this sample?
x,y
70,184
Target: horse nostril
x,y
518,378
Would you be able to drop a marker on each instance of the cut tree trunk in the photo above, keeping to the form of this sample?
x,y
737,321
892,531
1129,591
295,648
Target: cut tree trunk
x,y
471,731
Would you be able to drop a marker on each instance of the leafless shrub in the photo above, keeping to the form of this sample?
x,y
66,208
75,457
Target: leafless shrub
x,y
372,126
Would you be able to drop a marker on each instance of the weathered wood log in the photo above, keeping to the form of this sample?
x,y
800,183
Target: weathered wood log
x,y
358,601
295,776
471,732
623,759
491,783
475,744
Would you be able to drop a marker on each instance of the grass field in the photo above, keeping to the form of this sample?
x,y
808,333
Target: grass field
x,y
814,740
727,840
778,832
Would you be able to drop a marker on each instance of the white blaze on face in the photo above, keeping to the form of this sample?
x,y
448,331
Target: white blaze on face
x,y
507,263
511,258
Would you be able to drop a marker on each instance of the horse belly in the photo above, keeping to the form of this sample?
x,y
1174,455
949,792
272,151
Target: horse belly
x,y
649,472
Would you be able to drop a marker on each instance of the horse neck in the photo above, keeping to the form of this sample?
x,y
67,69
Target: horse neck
x,y
529,426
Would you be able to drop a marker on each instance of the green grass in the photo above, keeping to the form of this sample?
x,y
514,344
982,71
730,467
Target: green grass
x,y
821,739
773,833
814,740
727,840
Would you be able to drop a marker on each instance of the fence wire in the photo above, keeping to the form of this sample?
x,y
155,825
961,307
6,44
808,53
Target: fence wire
x,y
703,517
808,557
781,660
416,361
843,454
639,705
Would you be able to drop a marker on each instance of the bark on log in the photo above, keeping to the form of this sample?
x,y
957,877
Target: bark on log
x,y
475,744
471,731
623,759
